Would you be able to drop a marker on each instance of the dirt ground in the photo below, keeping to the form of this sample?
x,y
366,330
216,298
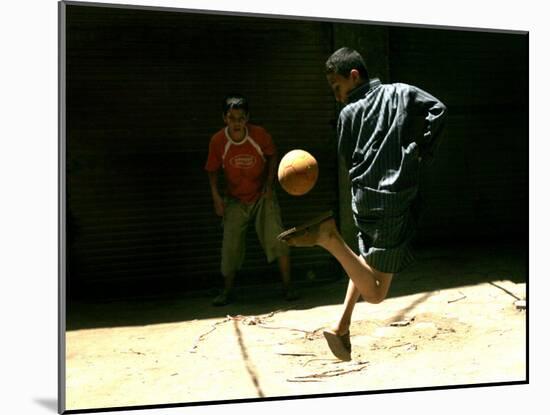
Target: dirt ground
x,y
451,319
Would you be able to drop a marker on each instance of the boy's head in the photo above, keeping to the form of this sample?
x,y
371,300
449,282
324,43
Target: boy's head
x,y
235,115
234,101
345,70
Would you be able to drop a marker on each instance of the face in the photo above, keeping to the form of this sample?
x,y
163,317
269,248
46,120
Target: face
x,y
236,120
342,86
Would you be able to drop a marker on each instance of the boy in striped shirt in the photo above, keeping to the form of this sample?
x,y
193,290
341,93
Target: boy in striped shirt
x,y
385,134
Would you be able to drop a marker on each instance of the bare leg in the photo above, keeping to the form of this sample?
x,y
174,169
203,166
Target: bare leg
x,y
228,282
226,296
352,295
373,285
284,268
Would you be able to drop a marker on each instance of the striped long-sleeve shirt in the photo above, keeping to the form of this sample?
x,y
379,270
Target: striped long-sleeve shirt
x,y
384,133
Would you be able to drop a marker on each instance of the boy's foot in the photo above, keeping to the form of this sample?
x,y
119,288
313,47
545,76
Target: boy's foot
x,y
340,345
223,299
311,232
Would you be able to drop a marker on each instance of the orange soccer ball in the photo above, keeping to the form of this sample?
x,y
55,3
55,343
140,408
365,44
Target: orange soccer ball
x,y
298,172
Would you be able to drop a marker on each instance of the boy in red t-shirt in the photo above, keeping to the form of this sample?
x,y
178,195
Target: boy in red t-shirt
x,y
247,156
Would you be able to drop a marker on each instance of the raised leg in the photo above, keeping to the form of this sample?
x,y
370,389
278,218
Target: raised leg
x,y
372,284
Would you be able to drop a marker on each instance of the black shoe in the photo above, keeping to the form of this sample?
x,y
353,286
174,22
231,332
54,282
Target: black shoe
x,y
291,294
223,299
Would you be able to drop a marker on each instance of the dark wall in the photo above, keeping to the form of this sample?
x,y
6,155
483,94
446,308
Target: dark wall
x,y
478,187
144,91
143,99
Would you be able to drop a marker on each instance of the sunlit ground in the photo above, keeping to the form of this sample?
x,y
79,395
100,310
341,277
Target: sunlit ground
x,y
451,319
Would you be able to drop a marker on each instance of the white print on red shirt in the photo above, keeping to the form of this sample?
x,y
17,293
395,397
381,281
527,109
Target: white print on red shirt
x,y
243,161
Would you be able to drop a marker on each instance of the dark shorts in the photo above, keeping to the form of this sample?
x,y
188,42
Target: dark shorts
x,y
387,224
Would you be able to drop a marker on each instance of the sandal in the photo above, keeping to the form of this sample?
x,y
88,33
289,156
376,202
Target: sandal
x,y
305,234
340,345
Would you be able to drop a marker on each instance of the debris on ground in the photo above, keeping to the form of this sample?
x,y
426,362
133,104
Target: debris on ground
x,y
259,321
521,304
402,323
462,297
330,373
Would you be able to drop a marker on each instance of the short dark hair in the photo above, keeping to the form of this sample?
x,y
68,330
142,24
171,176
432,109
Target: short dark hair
x,y
234,101
344,60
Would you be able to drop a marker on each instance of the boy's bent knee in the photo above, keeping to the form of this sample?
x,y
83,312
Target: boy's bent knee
x,y
374,300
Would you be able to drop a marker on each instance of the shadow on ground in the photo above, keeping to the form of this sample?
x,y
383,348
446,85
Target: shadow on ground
x,y
436,268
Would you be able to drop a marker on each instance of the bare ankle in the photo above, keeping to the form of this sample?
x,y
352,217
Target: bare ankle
x,y
328,233
331,242
341,328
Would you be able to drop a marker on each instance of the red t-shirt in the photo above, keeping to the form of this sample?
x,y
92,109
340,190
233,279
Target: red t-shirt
x,y
244,162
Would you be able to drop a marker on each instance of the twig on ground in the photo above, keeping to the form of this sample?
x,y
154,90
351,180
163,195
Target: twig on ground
x,y
330,373
250,321
296,354
306,332
258,321
303,380
399,345
315,360
202,336
402,323
278,311
457,299
133,351
505,290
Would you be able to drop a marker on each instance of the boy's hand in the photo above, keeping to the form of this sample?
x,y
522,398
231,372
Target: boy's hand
x,y
219,206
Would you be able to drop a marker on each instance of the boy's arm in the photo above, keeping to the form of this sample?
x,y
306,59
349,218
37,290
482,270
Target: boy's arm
x,y
270,153
343,132
434,113
271,171
216,197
